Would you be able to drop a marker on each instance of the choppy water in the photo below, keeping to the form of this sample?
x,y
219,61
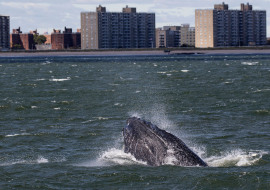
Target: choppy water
x,y
61,120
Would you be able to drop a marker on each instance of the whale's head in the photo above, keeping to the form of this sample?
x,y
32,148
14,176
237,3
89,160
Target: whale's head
x,y
146,142
142,139
137,125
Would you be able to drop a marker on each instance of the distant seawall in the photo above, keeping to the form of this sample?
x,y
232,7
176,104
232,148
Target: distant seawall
x,y
135,52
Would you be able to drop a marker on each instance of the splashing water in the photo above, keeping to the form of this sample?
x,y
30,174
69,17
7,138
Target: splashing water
x,y
236,158
112,157
39,160
232,158
42,160
249,63
119,157
134,114
157,116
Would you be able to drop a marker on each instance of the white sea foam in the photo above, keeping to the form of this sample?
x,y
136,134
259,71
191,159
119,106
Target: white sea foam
x,y
118,104
13,135
119,157
113,84
88,121
46,63
39,160
60,80
110,157
40,79
101,118
115,156
235,158
21,134
135,114
262,90
42,160
250,63
13,163
227,82
161,72
63,89
126,79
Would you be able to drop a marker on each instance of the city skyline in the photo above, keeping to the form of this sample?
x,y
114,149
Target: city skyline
x,y
48,15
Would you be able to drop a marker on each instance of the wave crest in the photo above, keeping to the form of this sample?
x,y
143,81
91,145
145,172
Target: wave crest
x,y
112,157
236,158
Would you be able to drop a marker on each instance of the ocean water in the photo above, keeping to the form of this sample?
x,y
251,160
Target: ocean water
x,y
61,120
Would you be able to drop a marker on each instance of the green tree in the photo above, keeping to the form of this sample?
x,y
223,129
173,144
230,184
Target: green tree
x,y
39,39
17,46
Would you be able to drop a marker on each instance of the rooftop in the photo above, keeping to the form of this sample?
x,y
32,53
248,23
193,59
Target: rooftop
x,y
126,9
225,7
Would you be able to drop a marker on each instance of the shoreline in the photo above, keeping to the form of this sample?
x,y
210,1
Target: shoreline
x,y
135,53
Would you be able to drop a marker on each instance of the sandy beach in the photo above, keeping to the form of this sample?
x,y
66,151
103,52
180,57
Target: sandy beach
x,y
135,52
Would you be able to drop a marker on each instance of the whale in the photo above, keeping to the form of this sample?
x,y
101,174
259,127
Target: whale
x,y
156,147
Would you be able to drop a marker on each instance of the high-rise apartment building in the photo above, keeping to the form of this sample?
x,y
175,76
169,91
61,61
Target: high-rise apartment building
x,y
126,29
187,35
223,27
175,36
167,38
4,32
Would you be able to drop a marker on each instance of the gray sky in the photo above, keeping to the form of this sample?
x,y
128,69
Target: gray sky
x,y
45,15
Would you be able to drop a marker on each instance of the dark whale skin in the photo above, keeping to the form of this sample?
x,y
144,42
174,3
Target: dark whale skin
x,y
146,142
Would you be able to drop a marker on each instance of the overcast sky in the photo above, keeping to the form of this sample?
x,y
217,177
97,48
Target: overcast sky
x,y
45,15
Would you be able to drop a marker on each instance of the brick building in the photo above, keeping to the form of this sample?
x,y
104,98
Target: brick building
x,y
18,40
48,38
27,41
15,40
65,40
